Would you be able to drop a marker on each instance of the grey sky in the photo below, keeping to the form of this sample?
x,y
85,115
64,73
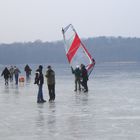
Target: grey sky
x,y
28,20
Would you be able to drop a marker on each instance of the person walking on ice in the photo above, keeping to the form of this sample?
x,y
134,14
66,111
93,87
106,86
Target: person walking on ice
x,y
6,75
16,72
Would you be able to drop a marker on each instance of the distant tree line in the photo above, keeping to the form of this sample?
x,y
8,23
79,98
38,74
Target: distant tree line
x,y
103,49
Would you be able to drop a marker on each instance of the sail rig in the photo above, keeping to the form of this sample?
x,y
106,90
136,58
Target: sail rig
x,y
76,52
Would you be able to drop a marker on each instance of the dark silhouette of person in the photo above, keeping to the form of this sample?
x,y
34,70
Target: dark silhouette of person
x,y
84,75
50,75
28,70
77,73
39,80
6,75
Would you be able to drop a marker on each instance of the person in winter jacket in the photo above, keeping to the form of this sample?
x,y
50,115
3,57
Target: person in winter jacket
x,y
50,75
6,75
28,70
84,75
16,72
39,80
11,70
77,73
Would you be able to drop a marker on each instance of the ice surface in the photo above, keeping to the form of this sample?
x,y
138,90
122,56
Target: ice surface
x,y
109,111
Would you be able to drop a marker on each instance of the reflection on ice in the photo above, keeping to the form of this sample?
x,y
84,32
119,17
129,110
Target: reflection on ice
x,y
110,110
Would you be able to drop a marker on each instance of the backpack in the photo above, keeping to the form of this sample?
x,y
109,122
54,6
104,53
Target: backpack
x,y
36,78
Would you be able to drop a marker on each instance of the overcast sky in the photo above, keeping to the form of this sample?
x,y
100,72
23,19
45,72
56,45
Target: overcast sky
x,y
29,20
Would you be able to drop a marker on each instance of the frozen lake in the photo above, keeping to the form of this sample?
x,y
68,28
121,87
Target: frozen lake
x,y
109,111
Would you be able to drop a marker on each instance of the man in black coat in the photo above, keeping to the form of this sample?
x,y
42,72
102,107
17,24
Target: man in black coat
x,y
6,75
84,75
40,81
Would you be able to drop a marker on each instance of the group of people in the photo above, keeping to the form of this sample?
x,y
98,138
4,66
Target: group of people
x,y
81,78
39,80
9,74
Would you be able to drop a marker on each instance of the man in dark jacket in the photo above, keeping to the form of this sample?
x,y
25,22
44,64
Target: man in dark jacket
x,y
40,82
28,70
84,75
6,75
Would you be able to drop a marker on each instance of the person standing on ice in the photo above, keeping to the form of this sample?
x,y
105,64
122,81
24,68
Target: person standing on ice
x,y
11,70
77,73
84,75
39,80
6,75
16,72
50,75
28,70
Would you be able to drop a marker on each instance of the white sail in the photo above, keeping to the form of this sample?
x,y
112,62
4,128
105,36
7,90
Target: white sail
x,y
76,52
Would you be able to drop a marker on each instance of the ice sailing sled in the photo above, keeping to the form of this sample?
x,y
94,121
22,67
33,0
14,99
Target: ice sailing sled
x,y
76,52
